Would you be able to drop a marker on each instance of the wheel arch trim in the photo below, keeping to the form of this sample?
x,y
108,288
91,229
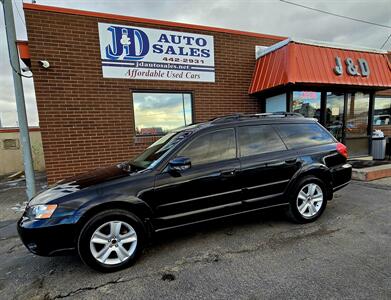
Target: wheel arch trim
x,y
132,204
318,170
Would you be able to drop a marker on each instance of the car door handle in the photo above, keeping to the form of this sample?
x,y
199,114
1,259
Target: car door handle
x,y
291,161
228,173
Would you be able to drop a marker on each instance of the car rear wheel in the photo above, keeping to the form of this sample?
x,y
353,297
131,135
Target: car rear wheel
x,y
111,240
308,200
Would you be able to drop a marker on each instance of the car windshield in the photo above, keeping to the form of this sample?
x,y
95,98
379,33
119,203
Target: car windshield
x,y
154,153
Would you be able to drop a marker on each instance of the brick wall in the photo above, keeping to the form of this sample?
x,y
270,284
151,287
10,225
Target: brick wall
x,y
87,120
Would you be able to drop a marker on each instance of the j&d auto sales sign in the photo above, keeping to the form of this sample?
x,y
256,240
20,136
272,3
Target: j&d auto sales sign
x,y
144,53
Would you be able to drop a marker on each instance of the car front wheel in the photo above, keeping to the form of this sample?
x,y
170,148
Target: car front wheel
x,y
111,240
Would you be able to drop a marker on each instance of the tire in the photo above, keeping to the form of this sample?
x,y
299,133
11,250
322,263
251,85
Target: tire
x,y
111,240
311,208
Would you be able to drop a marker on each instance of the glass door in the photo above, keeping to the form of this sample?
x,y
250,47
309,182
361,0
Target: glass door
x,y
334,120
356,132
347,120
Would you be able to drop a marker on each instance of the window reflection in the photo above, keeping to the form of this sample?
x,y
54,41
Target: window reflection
x,y
255,140
307,103
356,131
276,103
334,114
303,135
382,112
357,115
158,113
215,146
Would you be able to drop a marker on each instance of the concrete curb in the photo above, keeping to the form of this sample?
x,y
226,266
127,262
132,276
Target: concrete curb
x,y
372,173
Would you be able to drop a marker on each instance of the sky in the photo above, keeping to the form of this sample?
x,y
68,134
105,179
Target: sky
x,y
263,16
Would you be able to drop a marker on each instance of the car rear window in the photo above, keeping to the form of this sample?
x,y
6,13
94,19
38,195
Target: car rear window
x,y
303,135
258,139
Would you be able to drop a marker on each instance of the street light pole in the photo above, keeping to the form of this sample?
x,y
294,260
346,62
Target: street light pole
x,y
19,95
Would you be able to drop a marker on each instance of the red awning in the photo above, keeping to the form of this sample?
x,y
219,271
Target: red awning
x,y
292,62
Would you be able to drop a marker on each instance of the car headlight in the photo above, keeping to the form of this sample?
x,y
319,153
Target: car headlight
x,y
42,211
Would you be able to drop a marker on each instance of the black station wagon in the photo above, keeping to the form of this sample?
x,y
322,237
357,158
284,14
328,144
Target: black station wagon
x,y
228,166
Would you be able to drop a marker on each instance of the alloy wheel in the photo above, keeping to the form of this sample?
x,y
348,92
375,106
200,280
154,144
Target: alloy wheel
x,y
113,242
309,200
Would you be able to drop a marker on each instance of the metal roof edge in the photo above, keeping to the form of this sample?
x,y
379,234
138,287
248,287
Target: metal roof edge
x,y
272,48
338,46
324,44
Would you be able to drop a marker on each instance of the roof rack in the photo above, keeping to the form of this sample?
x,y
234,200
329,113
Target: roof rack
x,y
239,116
226,118
282,114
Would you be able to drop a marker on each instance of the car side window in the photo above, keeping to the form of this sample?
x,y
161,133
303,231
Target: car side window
x,y
303,135
258,139
211,147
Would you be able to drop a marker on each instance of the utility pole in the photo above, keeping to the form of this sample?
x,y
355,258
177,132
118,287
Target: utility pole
x,y
19,95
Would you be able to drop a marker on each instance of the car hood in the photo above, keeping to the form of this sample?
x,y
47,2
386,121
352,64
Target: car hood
x,y
82,181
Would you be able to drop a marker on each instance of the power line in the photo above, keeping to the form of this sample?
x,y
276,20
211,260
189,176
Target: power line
x,y
336,15
385,41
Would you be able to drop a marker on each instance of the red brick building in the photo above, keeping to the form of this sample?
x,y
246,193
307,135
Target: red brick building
x,y
93,112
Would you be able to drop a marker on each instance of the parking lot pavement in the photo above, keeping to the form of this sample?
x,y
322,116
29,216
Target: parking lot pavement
x,y
345,254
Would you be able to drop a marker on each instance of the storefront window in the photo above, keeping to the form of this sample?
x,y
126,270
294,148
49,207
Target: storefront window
x,y
334,114
356,127
158,113
276,103
382,111
357,115
307,103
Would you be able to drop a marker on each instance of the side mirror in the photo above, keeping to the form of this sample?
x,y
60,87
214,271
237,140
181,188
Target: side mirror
x,y
179,164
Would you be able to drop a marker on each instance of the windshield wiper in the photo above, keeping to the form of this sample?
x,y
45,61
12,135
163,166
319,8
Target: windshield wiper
x,y
135,166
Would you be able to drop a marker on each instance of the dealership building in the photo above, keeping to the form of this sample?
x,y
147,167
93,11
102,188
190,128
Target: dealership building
x,y
114,84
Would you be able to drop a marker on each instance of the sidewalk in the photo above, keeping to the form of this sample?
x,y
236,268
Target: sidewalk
x,y
365,169
13,196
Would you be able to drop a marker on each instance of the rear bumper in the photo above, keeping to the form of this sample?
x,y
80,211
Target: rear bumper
x,y
44,238
341,176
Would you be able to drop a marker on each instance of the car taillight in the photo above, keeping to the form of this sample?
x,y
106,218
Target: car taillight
x,y
342,149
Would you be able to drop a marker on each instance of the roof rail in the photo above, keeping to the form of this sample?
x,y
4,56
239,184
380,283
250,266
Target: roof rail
x,y
281,113
239,116
226,118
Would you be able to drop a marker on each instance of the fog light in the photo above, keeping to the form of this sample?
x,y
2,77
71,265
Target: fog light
x,y
32,247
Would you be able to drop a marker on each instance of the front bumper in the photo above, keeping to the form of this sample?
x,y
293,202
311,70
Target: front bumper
x,y
47,237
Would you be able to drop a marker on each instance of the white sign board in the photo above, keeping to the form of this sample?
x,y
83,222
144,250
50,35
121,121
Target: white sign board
x,y
144,53
335,111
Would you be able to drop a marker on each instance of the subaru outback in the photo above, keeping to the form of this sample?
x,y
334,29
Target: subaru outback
x,y
224,167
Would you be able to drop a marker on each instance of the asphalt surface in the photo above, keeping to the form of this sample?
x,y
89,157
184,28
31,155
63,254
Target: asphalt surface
x,y
346,254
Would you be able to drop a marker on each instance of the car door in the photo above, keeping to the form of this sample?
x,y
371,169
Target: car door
x,y
207,189
267,165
